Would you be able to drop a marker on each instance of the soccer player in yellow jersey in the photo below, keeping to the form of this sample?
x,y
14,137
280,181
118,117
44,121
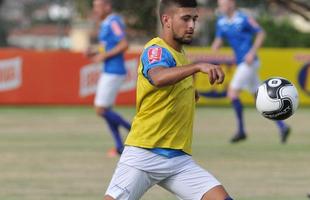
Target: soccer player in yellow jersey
x,y
158,147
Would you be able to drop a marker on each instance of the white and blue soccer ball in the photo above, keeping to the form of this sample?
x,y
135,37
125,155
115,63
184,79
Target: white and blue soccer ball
x,y
277,98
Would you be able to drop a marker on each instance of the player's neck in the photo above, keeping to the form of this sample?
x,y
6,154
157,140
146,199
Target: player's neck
x,y
172,43
231,13
105,16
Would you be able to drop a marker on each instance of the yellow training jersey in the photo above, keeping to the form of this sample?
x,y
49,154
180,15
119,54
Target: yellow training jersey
x,y
164,117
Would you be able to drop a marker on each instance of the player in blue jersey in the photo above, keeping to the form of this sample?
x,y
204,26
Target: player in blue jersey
x,y
112,45
245,36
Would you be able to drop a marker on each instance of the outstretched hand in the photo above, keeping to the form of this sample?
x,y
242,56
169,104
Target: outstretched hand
x,y
215,72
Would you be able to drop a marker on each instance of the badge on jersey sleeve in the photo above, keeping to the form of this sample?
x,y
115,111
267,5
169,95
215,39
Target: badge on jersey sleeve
x,y
154,54
117,30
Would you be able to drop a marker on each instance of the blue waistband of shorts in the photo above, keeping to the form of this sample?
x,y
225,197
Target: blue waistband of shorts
x,y
168,153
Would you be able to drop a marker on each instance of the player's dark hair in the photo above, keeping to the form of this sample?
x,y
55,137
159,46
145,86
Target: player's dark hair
x,y
165,4
108,1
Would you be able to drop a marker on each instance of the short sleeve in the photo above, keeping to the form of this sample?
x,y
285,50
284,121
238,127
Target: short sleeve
x,y
156,56
118,29
252,24
103,32
219,31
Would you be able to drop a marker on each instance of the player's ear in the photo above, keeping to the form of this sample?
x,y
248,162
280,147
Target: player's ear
x,y
166,20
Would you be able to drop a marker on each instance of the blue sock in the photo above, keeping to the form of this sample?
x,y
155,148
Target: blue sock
x,y
117,119
282,126
237,105
115,133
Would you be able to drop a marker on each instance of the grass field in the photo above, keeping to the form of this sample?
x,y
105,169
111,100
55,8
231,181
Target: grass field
x,y
58,153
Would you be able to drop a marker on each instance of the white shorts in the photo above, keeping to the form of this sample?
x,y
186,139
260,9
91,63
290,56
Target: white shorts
x,y
107,89
139,169
246,77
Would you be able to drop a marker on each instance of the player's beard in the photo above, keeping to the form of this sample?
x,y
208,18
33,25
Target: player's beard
x,y
182,39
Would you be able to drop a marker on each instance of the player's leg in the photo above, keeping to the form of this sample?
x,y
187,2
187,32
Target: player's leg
x,y
233,95
138,170
128,183
216,193
252,86
108,86
191,182
236,85
118,141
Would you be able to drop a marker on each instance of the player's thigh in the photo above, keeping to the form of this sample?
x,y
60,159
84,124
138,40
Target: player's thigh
x,y
128,183
191,183
243,76
254,81
107,89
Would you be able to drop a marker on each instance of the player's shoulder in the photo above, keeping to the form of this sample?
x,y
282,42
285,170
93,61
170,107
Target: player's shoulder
x,y
113,18
116,16
156,50
241,13
221,20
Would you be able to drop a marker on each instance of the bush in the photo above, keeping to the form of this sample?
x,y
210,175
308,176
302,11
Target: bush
x,y
283,34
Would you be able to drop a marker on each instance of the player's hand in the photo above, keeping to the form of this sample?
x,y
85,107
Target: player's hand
x,y
214,72
98,58
249,58
89,52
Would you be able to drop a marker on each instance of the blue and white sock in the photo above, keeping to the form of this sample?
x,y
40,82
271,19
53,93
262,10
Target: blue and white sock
x,y
116,118
115,133
281,125
237,105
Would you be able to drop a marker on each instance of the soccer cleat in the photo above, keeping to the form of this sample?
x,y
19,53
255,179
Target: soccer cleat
x,y
238,137
285,134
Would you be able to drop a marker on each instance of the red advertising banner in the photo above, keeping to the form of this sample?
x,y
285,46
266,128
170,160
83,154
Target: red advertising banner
x,y
56,77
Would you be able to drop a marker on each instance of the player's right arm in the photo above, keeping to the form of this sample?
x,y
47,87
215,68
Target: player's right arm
x,y
162,76
217,44
159,67
218,41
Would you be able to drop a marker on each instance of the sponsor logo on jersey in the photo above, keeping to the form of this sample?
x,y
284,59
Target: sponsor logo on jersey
x,y
10,74
154,54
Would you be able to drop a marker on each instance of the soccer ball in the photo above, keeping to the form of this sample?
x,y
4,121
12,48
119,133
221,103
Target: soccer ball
x,y
277,98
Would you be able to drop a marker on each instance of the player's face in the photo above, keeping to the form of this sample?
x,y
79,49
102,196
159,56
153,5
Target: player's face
x,y
100,8
226,6
183,23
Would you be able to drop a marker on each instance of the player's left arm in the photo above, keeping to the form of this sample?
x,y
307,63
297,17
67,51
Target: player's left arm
x,y
119,33
258,41
121,47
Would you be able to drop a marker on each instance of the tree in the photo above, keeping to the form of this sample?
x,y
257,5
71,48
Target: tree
x,y
3,30
300,7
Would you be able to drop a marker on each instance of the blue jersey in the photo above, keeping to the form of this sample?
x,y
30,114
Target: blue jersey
x,y
238,31
112,31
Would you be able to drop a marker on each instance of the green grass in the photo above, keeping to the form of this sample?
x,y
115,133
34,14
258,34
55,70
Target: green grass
x,y
58,153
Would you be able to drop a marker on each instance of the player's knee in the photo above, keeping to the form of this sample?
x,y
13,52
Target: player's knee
x,y
232,94
100,110
107,197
